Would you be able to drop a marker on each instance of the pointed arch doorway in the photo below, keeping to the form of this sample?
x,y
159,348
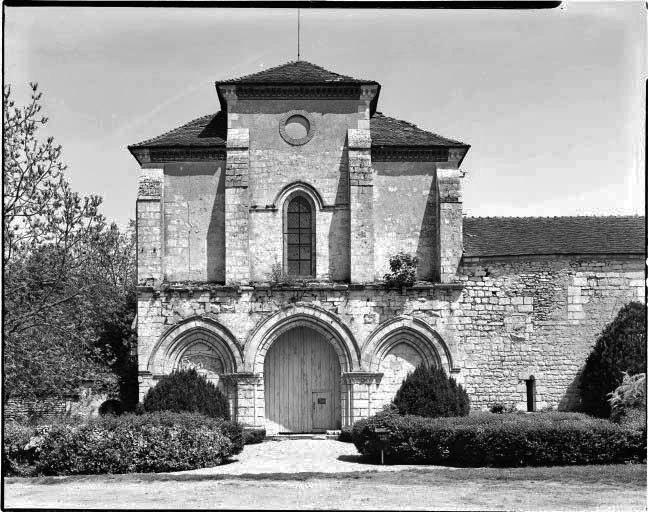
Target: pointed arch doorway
x,y
302,383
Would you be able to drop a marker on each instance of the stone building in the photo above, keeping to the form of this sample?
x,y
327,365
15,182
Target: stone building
x,y
264,232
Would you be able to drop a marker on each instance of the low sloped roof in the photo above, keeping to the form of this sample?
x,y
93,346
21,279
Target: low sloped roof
x,y
211,131
517,236
387,131
205,131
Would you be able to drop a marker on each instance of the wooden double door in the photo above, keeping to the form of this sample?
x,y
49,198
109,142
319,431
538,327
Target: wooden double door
x,y
302,383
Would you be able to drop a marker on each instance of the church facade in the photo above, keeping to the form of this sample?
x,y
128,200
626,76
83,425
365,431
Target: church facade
x,y
264,232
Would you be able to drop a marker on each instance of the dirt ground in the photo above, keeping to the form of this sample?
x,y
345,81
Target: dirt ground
x,y
330,475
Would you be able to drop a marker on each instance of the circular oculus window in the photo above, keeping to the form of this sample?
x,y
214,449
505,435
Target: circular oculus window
x,y
296,127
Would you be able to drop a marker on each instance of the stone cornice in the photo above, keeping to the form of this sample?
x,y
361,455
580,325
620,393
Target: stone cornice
x,y
303,287
291,91
409,154
186,154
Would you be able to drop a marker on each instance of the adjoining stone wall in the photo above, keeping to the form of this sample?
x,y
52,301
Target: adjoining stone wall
x,y
508,319
537,316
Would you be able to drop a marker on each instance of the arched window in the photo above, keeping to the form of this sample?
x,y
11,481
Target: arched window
x,y
299,238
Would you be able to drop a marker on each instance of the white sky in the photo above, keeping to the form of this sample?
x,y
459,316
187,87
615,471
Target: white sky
x,y
552,102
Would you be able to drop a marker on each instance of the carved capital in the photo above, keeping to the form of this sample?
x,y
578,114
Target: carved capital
x,y
149,184
362,377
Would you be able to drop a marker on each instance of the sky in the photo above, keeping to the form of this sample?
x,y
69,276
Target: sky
x,y
552,102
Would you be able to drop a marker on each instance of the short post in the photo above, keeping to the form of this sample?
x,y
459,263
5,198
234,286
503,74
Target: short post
x,y
383,436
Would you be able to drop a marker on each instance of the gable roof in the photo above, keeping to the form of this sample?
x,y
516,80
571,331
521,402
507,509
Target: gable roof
x,y
517,236
387,131
300,71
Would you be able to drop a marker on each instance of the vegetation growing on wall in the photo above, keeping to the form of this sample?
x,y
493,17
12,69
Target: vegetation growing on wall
x,y
402,271
621,347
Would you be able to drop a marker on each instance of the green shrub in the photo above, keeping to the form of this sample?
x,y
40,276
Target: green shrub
x,y
628,401
17,454
621,347
428,391
254,436
402,271
186,390
346,435
135,443
506,440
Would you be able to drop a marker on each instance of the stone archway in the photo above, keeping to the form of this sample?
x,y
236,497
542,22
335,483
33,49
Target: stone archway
x,y
302,381
331,343
396,348
199,343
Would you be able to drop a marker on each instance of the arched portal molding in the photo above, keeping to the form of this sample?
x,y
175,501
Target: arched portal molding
x,y
176,340
411,331
313,317
299,188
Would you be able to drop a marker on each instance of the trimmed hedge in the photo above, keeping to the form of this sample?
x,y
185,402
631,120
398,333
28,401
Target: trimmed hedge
x,y
155,442
186,390
428,391
505,440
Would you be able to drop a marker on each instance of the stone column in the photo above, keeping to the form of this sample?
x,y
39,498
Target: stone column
x,y
450,222
361,206
146,382
360,388
245,390
149,227
237,206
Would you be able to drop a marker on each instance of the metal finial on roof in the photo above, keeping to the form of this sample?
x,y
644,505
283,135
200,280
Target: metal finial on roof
x,y
298,27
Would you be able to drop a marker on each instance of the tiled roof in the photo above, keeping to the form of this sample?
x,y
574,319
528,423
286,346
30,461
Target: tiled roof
x,y
211,131
387,131
206,131
296,72
516,236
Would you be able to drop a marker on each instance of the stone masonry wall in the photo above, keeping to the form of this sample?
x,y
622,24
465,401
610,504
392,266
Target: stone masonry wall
x,y
537,316
405,215
510,319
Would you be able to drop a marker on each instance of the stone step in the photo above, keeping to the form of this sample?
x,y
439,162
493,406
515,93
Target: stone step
x,y
285,437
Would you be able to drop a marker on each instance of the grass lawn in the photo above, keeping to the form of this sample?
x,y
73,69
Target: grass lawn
x,y
615,487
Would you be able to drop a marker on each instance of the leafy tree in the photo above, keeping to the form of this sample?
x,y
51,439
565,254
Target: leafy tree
x,y
68,277
621,347
428,391
186,390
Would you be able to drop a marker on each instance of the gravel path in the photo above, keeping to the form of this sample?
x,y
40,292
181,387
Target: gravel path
x,y
298,456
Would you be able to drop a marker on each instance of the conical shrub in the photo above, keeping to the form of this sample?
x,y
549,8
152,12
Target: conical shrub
x,y
621,347
428,391
186,390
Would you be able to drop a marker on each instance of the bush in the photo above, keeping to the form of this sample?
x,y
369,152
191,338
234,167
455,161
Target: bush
x,y
628,401
402,271
346,435
506,440
621,347
427,391
136,443
186,390
254,436
17,455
